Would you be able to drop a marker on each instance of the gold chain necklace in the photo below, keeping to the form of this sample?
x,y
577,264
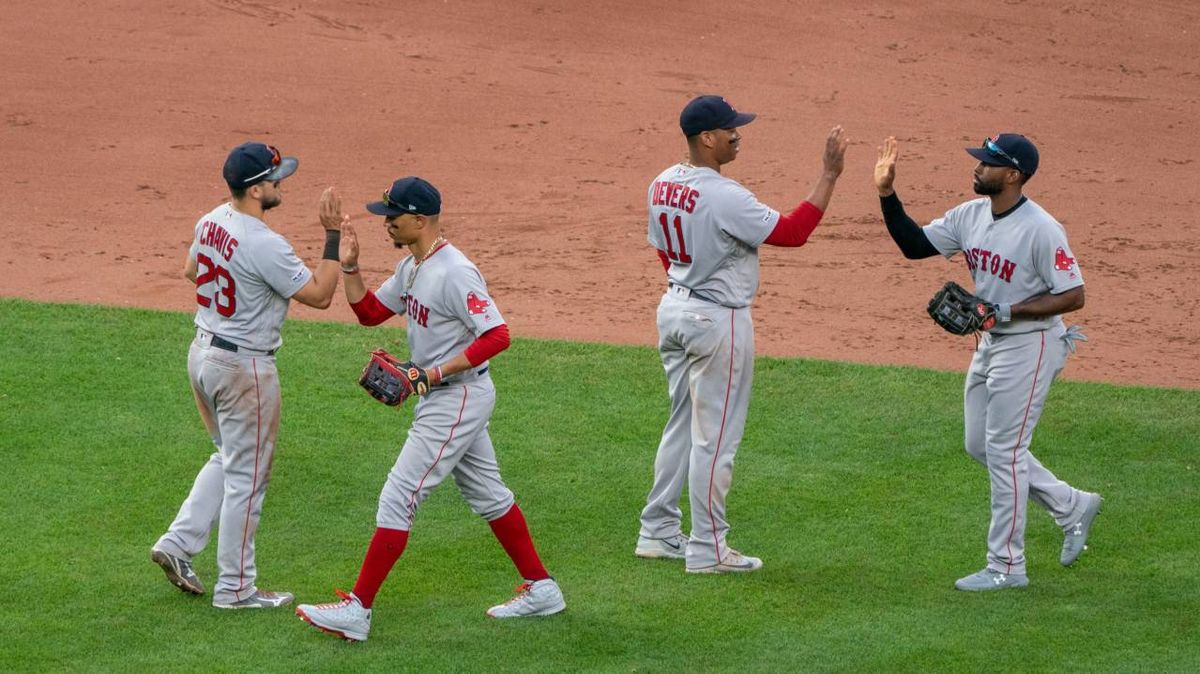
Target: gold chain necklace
x,y
433,247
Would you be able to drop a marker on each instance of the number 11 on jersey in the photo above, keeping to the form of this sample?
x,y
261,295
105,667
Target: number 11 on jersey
x,y
682,256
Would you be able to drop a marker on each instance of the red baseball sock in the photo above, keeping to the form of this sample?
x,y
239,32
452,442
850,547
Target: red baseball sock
x,y
513,533
386,547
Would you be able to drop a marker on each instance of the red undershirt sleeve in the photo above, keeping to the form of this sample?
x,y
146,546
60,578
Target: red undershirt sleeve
x,y
666,261
487,345
370,310
793,229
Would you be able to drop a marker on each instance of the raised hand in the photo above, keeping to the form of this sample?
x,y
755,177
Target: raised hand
x,y
835,151
331,210
885,167
348,248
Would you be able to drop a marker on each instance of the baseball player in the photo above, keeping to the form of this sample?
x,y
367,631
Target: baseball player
x,y
707,229
1019,258
245,275
454,328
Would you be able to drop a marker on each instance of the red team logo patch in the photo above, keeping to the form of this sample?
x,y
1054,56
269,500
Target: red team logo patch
x,y
475,305
1061,261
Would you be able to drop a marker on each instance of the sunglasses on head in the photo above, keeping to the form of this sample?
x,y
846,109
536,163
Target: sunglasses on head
x,y
993,149
276,158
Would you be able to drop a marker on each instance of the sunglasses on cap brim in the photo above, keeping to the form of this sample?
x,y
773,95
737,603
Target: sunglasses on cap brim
x,y
398,206
993,149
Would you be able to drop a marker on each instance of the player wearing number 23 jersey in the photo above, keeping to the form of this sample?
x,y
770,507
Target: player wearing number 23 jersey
x,y
245,276
707,229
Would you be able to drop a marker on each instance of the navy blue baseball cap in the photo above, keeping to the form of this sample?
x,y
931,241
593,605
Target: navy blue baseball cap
x,y
252,163
705,113
408,195
1008,149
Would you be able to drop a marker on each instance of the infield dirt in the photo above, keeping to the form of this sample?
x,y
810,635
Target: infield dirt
x,y
542,123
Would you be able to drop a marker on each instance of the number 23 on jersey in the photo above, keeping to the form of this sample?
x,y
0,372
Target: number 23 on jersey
x,y
223,288
673,234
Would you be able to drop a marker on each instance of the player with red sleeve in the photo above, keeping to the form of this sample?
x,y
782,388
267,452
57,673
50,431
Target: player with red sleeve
x,y
453,329
707,229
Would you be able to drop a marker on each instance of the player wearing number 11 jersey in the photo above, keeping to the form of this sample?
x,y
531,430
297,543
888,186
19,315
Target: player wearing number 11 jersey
x,y
707,229
245,275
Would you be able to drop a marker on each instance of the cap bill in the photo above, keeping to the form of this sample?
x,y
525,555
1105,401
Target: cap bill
x,y
382,208
742,119
287,166
987,157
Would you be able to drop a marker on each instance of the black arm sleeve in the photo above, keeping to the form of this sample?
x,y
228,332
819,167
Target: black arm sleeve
x,y
906,233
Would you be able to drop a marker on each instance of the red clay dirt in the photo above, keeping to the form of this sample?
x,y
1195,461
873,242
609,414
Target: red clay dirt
x,y
543,123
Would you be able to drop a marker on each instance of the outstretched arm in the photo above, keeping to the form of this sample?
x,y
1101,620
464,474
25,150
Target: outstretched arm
x,y
318,292
367,307
834,160
905,232
794,228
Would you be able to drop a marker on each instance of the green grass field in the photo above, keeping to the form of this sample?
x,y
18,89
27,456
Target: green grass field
x,y
851,484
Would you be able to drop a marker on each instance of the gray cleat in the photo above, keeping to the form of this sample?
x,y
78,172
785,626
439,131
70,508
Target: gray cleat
x,y
734,562
260,599
988,579
179,571
1075,536
671,547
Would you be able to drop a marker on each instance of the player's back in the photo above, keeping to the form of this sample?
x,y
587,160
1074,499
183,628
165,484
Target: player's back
x,y
710,228
245,275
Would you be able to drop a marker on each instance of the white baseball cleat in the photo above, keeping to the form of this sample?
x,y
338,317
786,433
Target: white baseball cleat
x,y
672,547
990,579
1075,536
734,562
260,599
534,598
346,619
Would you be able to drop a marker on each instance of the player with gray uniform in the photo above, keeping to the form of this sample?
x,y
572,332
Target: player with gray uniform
x,y
707,229
245,275
453,329
1019,258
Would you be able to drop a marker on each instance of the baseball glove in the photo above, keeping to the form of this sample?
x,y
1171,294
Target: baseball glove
x,y
385,379
960,312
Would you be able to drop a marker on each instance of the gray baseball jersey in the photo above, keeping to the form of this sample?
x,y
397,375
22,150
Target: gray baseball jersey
x,y
245,275
710,227
446,305
1020,255
1014,257
452,284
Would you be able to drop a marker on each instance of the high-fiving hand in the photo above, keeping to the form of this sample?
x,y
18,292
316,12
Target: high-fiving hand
x,y
332,217
885,167
835,151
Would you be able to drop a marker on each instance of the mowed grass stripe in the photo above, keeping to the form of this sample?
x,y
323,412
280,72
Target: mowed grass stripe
x,y
851,483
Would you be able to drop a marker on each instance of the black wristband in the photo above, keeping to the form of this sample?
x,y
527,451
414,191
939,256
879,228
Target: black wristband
x,y
333,239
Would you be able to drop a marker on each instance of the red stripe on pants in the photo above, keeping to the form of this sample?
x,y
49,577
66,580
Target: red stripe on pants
x,y
1020,436
720,437
253,481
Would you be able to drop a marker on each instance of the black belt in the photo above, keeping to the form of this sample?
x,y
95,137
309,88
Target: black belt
x,y
222,343
478,374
